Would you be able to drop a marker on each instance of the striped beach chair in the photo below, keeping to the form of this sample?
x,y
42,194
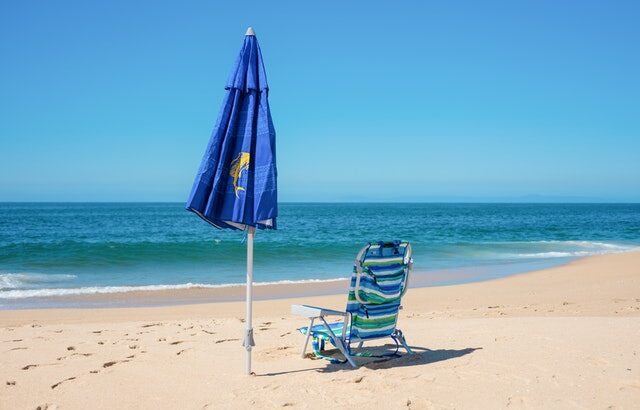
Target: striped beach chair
x,y
380,279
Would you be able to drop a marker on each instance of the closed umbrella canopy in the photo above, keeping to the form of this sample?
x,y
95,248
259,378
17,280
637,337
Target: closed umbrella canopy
x,y
236,184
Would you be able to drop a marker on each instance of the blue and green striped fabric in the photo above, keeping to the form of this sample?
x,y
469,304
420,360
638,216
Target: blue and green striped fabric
x,y
383,279
321,332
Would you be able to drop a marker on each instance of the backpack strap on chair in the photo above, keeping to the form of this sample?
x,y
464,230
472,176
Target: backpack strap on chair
x,y
359,268
408,261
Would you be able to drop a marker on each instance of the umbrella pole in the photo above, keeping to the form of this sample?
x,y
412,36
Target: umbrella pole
x,y
248,338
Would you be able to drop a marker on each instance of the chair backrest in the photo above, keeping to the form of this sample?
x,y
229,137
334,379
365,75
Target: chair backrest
x,y
380,279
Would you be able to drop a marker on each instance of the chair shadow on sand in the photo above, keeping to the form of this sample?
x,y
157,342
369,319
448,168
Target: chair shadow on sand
x,y
420,356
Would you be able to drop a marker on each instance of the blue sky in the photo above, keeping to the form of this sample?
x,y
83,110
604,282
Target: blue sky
x,y
372,101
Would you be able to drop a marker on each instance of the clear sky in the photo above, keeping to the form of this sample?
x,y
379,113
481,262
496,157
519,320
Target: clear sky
x,y
372,101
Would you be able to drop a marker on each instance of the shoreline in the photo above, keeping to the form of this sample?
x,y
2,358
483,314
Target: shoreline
x,y
270,290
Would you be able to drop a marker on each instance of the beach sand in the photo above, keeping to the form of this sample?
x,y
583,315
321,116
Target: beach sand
x,y
566,337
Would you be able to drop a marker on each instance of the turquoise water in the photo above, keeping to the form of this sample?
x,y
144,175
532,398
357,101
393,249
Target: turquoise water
x,y
70,248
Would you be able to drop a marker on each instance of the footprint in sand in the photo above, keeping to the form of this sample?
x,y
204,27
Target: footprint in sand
x,y
133,346
226,340
47,406
111,363
410,377
276,352
53,386
11,382
627,386
162,339
152,324
177,342
181,351
75,354
71,348
208,332
18,348
265,325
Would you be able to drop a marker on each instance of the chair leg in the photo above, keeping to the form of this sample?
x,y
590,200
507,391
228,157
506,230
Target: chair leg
x,y
360,345
403,341
306,340
339,344
342,349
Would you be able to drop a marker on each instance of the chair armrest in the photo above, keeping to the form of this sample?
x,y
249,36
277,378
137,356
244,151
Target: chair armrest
x,y
313,311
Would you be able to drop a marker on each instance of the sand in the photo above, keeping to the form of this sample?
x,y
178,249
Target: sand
x,y
567,337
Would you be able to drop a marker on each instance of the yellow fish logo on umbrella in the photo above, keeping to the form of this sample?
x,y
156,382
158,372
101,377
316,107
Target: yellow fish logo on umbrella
x,y
241,163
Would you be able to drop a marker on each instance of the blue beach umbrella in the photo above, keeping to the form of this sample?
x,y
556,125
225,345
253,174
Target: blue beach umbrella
x,y
235,187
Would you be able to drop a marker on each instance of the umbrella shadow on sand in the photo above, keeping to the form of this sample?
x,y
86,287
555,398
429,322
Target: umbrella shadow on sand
x,y
420,356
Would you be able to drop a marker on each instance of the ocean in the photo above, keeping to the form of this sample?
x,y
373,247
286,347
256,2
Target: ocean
x,y
49,249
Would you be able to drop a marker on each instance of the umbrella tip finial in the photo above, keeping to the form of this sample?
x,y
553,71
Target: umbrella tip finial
x,y
250,32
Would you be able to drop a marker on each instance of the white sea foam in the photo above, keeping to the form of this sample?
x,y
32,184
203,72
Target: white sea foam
x,y
10,281
590,244
39,293
579,249
552,254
